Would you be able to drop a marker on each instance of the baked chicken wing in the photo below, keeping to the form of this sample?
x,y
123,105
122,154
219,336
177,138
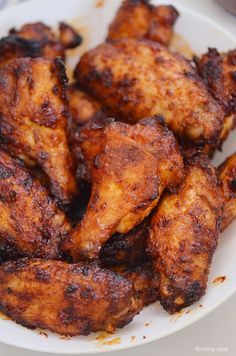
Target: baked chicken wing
x,y
65,298
227,175
183,236
135,164
144,279
218,71
37,40
139,19
31,223
33,119
136,79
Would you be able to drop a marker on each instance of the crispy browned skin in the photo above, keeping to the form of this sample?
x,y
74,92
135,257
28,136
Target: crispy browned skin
x,y
183,236
218,71
67,299
68,36
31,223
139,19
128,249
33,122
144,279
135,164
227,175
49,43
37,40
135,79
84,108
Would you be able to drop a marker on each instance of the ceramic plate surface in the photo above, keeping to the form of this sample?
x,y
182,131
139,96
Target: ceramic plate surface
x,y
92,18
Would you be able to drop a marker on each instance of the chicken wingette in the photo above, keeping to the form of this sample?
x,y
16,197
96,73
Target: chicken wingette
x,y
183,236
70,299
31,223
136,79
135,164
139,19
144,279
34,120
227,176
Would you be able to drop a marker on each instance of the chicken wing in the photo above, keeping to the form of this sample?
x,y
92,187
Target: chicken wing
x,y
37,40
128,249
31,223
183,236
145,281
135,164
65,298
227,175
218,71
33,119
135,79
139,19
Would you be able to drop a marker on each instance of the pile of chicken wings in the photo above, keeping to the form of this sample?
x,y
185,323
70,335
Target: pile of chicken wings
x,y
108,198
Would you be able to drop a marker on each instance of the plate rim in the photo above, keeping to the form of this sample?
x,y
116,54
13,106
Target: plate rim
x,y
120,347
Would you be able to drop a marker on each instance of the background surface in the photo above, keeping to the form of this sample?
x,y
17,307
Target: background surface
x,y
216,333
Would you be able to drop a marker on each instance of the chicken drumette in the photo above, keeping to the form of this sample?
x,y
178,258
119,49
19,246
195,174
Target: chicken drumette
x,y
134,164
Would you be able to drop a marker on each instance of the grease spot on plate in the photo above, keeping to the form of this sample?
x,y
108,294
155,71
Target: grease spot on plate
x,y
65,337
100,3
218,280
133,338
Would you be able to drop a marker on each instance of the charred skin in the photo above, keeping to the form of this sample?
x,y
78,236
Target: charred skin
x,y
49,44
31,223
227,176
140,19
144,279
65,298
128,249
68,36
183,236
34,119
136,79
135,164
218,71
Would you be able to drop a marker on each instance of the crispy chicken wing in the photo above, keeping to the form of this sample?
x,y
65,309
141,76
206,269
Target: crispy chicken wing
x,y
33,119
65,298
128,249
135,164
218,71
183,236
135,79
139,19
145,281
37,40
227,175
31,223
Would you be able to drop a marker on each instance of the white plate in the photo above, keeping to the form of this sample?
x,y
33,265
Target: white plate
x,y
153,323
